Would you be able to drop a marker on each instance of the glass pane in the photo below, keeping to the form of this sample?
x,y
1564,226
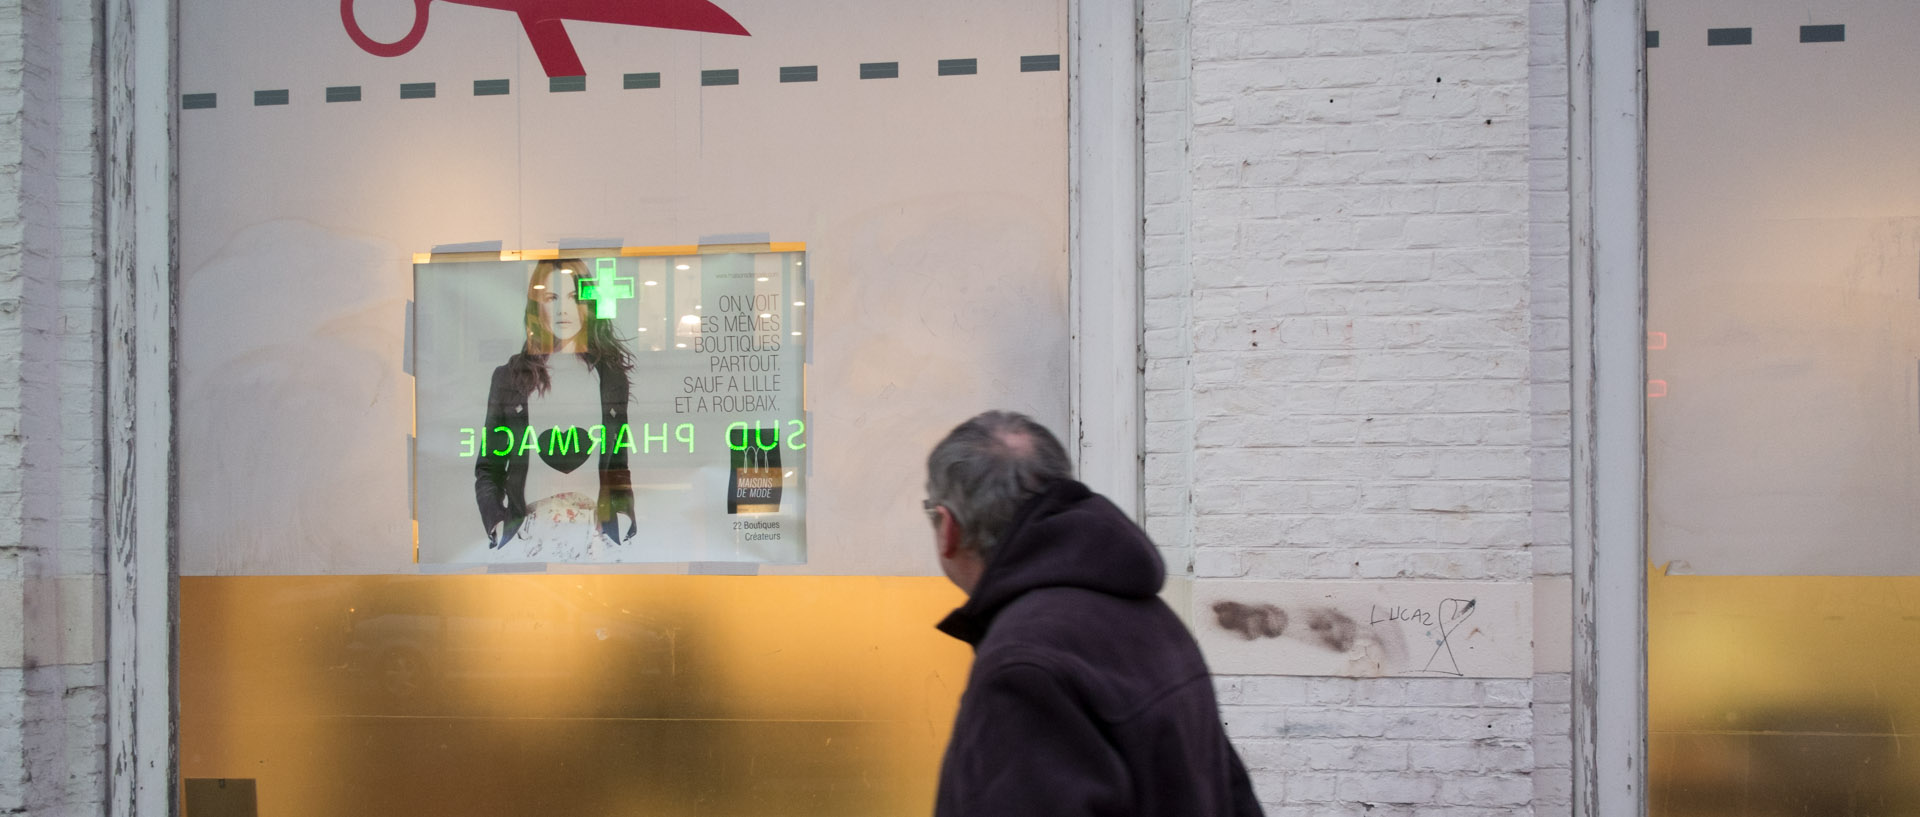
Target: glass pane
x,y
1783,695
684,441
1783,407
515,695
334,659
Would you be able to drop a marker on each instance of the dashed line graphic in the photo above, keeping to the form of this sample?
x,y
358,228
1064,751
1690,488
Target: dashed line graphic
x,y
1729,36
1823,34
1040,62
647,80
1830,33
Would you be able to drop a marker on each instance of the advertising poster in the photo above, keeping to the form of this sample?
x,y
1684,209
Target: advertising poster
x,y
619,408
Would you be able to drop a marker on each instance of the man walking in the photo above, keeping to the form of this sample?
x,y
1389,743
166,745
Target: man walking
x,y
1087,695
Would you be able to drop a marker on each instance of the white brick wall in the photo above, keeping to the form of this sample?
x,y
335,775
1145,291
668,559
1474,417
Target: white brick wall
x,y
52,704
1383,746
1550,233
1356,311
1552,368
1167,285
1355,302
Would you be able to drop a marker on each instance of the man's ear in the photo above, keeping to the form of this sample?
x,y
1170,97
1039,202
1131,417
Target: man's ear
x,y
949,534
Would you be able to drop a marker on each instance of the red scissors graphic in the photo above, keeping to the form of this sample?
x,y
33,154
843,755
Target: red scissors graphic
x,y
542,20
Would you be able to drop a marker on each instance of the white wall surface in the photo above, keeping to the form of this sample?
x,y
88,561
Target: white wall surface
x,y
1356,337
52,611
1550,309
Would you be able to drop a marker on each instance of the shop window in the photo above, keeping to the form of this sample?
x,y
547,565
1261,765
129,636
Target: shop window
x,y
1783,420
355,636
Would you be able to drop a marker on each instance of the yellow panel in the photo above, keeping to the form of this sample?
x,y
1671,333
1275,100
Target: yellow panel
x,y
667,250
1783,695
676,249
561,694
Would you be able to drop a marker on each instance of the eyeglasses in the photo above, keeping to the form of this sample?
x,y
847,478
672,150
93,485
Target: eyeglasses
x,y
932,508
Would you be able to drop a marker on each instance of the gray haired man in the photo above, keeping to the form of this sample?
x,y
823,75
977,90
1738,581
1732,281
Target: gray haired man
x,y
1087,694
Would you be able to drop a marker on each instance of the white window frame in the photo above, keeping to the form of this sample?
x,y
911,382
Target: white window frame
x,y
141,100
1106,225
1606,47
140,85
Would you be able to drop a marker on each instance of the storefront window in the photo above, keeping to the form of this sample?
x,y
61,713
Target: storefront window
x,y
695,579
1783,408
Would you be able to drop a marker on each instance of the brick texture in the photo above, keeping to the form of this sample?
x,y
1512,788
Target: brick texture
x,y
1338,326
52,700
1356,337
1549,243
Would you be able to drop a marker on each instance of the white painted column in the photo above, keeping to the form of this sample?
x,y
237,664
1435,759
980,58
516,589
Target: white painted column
x,y
1609,337
141,90
1104,247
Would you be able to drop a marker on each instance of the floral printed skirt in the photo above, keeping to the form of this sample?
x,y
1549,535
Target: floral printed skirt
x,y
559,528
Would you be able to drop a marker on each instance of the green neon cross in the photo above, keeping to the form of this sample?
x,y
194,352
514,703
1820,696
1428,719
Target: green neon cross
x,y
605,288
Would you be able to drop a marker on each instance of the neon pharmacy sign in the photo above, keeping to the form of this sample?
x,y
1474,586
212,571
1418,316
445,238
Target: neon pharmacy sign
x,y
501,441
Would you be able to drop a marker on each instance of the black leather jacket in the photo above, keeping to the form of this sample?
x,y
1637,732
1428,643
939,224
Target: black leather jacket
x,y
500,480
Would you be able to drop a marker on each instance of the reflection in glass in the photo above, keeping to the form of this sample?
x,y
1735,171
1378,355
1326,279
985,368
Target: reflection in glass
x,y
569,694
1783,416
1783,695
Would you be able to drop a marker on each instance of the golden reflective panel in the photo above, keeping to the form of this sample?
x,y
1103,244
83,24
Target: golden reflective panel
x,y
1783,695
568,694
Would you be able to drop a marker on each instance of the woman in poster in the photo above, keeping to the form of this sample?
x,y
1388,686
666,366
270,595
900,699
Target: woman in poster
x,y
551,408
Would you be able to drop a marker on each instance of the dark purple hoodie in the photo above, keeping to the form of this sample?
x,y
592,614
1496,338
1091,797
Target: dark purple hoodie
x,y
1087,695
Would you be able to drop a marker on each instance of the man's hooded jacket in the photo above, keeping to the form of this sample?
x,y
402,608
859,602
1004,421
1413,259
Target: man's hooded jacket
x,y
1087,695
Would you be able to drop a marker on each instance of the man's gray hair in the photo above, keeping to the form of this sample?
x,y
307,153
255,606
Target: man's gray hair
x,y
989,466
